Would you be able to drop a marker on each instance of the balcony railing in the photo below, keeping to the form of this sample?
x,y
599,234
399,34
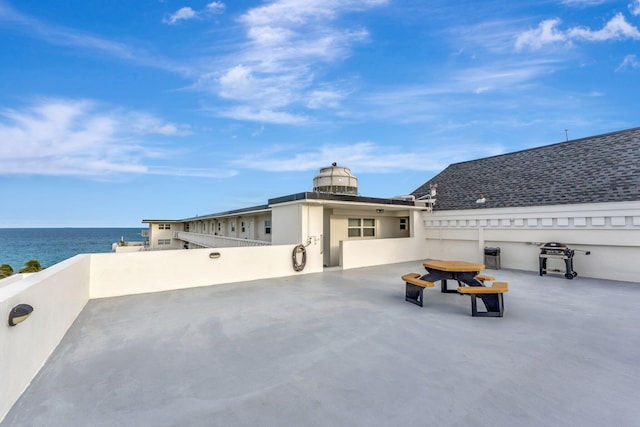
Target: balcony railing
x,y
212,241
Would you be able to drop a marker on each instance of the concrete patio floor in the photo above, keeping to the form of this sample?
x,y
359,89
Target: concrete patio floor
x,y
343,348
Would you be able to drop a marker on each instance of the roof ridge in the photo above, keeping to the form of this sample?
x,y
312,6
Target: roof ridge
x,y
571,141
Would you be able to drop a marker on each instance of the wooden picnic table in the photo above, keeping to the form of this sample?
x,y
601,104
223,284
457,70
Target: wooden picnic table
x,y
463,272
460,271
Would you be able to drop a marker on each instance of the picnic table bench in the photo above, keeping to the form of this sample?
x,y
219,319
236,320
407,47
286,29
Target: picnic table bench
x,y
415,287
493,293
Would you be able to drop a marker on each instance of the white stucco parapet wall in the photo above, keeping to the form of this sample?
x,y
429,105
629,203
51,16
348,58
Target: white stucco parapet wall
x,y
605,215
611,231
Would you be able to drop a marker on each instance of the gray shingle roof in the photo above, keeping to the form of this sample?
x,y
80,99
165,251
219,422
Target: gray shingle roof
x,y
602,168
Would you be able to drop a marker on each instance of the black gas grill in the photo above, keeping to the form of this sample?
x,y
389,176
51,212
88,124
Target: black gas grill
x,y
560,251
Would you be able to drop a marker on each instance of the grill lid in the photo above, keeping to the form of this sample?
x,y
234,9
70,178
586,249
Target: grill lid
x,y
555,245
555,248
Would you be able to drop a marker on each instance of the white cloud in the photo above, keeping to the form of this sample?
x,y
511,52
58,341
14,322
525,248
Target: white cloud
x,y
63,36
277,68
289,41
629,61
182,14
191,172
301,12
324,98
216,7
547,32
449,97
80,137
616,29
268,35
500,77
262,115
187,13
634,7
146,124
238,83
364,157
69,37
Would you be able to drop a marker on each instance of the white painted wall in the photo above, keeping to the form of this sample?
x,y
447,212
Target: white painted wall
x,y
368,252
365,253
245,223
131,247
296,223
260,232
388,226
339,234
611,231
339,223
14,278
285,224
326,236
155,271
57,295
156,234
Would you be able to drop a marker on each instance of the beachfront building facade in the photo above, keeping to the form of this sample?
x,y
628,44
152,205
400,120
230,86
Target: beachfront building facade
x,y
325,219
583,193
328,218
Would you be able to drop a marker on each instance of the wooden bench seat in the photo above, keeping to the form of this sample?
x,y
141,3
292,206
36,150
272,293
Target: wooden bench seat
x,y
495,288
490,295
485,278
415,287
414,278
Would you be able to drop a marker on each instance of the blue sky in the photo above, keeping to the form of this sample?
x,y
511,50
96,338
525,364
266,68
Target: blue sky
x,y
114,112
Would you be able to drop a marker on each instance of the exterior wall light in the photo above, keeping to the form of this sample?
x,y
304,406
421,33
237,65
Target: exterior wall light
x,y
19,313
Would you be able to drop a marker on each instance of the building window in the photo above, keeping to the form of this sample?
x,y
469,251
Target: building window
x,y
242,226
361,227
163,242
219,226
164,226
233,226
186,227
267,226
403,224
355,227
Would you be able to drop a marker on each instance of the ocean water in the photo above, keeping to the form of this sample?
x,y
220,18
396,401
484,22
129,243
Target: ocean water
x,y
53,245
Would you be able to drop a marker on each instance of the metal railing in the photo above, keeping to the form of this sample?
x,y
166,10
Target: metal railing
x,y
213,241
